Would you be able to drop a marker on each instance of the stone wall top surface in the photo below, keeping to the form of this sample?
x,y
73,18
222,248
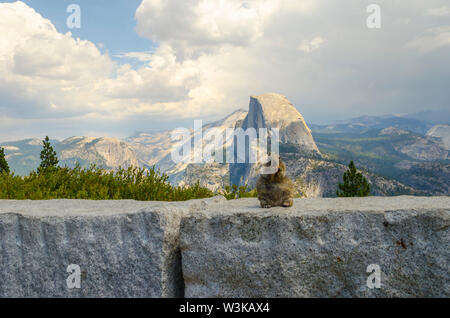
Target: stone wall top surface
x,y
61,208
220,205
318,205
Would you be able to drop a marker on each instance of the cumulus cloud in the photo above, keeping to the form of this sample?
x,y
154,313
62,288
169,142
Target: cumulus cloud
x,y
312,45
433,39
163,79
42,68
195,27
47,75
439,12
213,54
348,67
140,56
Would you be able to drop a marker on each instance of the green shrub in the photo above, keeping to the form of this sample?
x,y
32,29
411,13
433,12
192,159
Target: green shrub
x,y
97,184
236,192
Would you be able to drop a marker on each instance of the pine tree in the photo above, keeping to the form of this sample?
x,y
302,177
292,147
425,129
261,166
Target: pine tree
x,y
4,168
49,158
355,184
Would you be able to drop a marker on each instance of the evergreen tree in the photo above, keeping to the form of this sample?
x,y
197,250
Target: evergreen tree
x,y
3,163
355,184
49,158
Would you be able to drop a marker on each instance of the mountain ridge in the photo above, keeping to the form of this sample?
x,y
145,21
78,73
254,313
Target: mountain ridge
x,y
409,162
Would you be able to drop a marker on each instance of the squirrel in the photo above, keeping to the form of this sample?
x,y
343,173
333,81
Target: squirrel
x,y
275,189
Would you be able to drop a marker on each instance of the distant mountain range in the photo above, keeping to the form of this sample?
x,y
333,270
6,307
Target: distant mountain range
x,y
406,154
419,161
420,122
434,117
110,153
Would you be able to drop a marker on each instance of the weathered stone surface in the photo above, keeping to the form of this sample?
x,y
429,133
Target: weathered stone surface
x,y
124,248
318,248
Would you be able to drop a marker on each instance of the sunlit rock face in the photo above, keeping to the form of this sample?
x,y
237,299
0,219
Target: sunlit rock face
x,y
274,111
109,153
442,132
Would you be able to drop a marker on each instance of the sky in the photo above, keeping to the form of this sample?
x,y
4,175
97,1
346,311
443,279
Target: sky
x,y
145,65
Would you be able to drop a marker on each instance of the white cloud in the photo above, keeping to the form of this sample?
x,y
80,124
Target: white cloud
x,y
261,53
309,46
140,56
198,26
163,79
10,148
439,12
212,55
433,39
41,67
44,73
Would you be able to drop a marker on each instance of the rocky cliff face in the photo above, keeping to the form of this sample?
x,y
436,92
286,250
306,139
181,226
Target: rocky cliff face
x,y
155,149
442,132
214,176
110,153
320,178
427,147
274,111
423,148
432,177
23,155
